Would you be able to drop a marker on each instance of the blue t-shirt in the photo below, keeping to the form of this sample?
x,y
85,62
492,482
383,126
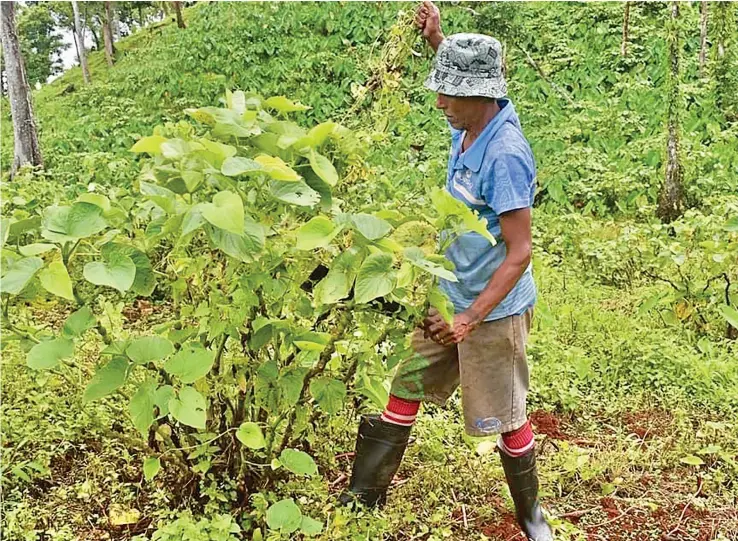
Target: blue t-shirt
x,y
495,175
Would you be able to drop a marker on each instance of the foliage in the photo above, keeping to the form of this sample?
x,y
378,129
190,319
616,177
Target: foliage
x,y
210,284
41,43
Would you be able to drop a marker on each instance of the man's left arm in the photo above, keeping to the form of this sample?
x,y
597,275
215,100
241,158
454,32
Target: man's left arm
x,y
516,234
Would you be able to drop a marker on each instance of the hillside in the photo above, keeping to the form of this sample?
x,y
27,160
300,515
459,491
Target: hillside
x,y
633,353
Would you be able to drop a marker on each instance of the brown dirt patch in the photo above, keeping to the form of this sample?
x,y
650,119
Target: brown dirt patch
x,y
548,423
648,423
504,529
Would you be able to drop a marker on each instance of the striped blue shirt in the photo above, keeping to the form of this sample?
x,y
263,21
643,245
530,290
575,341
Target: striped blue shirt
x,y
495,175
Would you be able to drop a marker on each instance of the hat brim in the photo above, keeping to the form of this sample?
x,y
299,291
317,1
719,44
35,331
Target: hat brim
x,y
449,84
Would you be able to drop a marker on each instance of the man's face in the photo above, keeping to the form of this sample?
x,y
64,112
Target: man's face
x,y
460,111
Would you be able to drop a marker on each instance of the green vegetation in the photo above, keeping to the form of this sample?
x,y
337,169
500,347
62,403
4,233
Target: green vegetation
x,y
236,227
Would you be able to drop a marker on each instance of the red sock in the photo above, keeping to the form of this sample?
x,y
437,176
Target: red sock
x,y
400,411
517,442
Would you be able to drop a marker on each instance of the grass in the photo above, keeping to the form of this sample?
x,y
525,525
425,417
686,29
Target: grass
x,y
611,448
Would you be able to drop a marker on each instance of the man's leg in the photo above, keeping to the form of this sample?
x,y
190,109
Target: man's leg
x,y
494,383
431,372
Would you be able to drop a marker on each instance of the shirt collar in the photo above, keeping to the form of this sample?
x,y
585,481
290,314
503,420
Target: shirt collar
x,y
474,156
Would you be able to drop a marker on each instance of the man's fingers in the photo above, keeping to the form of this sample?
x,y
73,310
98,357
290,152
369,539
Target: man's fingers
x,y
437,326
439,333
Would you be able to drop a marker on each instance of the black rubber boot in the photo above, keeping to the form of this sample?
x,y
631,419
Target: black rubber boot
x,y
379,449
522,479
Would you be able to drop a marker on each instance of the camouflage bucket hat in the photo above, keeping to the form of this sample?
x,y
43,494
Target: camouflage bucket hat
x,y
468,65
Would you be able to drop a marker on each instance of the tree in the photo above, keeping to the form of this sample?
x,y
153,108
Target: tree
x,y
108,33
724,60
79,37
178,11
626,21
671,197
703,36
26,149
41,42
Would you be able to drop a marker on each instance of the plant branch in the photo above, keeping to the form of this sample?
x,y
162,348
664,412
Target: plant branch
x,y
325,356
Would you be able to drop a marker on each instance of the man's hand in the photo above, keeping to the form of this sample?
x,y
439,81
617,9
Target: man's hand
x,y
464,324
428,21
436,328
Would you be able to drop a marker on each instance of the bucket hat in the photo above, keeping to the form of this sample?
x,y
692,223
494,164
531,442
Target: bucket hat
x,y
468,65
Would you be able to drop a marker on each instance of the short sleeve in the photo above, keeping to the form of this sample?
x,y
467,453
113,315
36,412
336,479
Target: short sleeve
x,y
510,184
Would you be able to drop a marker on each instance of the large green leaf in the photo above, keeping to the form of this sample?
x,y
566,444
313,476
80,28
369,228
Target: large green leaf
x,y
17,275
96,199
145,281
316,136
329,393
238,165
30,250
25,225
376,278
317,233
732,225
337,284
5,232
323,168
176,149
151,467
311,340
189,408
225,212
284,105
163,197
310,527
107,379
117,270
730,314
192,220
298,462
290,384
48,354
284,516
294,193
450,207
215,153
369,226
64,224
79,322
244,247
440,301
190,363
251,436
276,168
417,257
149,348
162,396
141,407
150,144
56,280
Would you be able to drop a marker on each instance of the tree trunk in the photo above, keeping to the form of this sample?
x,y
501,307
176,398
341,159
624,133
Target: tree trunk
x,y
178,10
703,36
27,150
140,15
80,38
626,22
671,197
95,37
108,35
116,25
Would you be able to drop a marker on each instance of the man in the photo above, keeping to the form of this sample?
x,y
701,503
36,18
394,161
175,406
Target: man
x,y
491,169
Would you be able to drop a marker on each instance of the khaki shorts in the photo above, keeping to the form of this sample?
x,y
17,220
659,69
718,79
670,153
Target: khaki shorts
x,y
490,365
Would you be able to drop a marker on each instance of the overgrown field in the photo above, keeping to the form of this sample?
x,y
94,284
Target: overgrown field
x,y
237,226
